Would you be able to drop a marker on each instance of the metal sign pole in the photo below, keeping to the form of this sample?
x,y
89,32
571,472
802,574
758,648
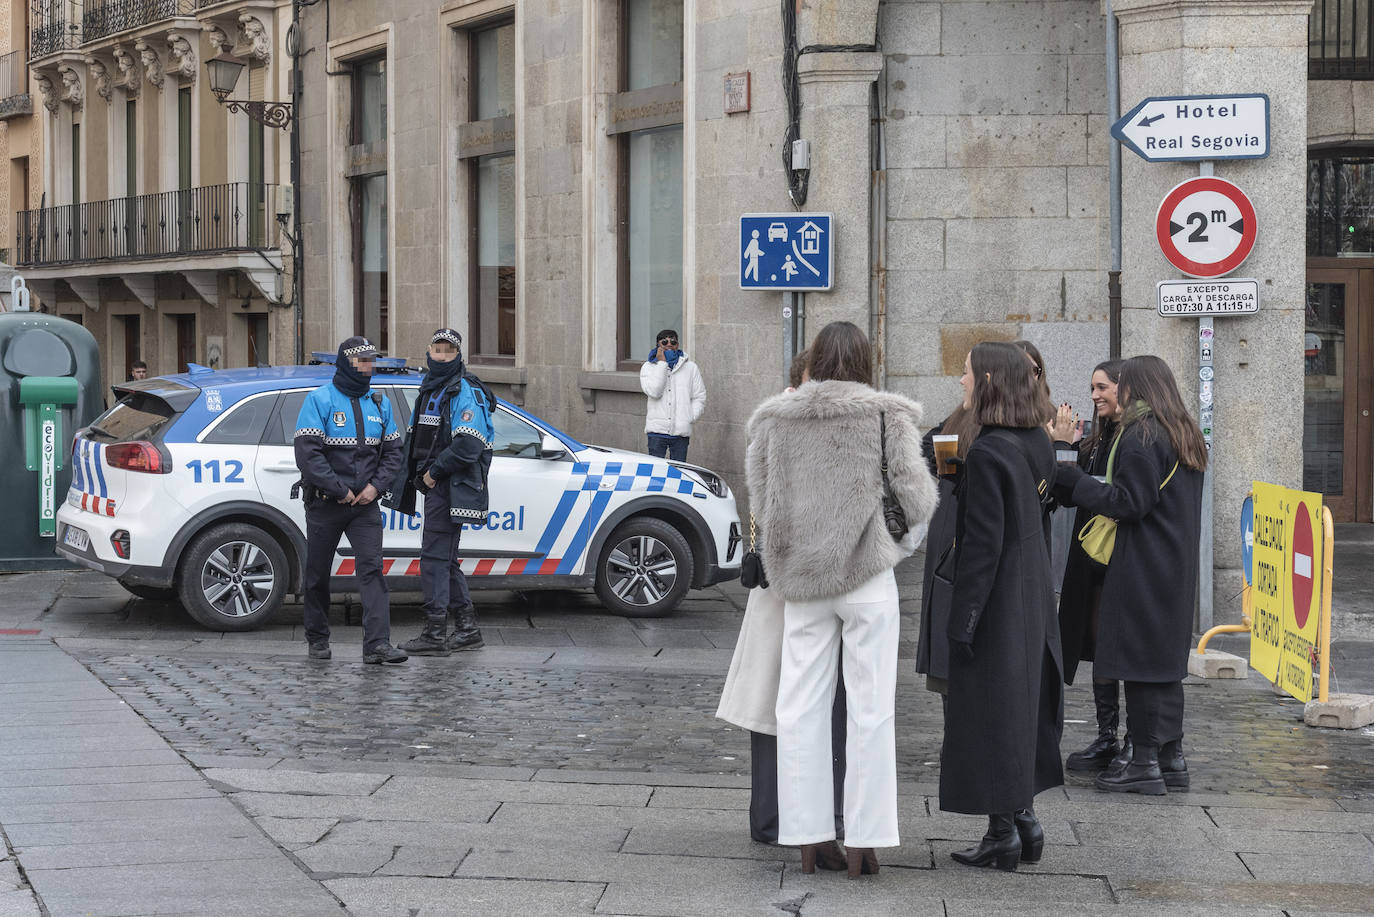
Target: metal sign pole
x,y
789,334
1206,418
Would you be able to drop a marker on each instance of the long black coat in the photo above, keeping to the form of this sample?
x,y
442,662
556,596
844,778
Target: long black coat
x,y
1082,575
1004,715
1148,595
932,646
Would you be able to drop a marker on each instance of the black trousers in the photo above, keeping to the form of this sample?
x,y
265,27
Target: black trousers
x,y
763,788
1154,712
441,577
325,523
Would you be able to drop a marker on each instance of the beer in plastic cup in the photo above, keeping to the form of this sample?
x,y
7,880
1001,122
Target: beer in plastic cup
x,y
946,448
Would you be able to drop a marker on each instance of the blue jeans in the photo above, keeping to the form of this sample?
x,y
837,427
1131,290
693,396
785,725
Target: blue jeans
x,y
661,445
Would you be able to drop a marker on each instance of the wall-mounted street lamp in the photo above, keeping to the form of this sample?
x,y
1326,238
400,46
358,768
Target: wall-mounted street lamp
x,y
224,71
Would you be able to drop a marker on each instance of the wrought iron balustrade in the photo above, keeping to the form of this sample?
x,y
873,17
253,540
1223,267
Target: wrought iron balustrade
x,y
54,25
206,220
106,17
14,85
1338,40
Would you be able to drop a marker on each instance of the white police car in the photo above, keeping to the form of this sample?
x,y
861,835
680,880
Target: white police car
x,y
182,489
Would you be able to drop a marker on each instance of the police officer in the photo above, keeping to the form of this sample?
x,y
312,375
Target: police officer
x,y
447,459
348,450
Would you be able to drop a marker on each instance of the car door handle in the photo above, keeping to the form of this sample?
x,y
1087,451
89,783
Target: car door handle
x,y
283,468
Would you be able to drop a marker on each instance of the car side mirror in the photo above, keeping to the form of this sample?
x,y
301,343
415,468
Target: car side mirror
x,y
552,448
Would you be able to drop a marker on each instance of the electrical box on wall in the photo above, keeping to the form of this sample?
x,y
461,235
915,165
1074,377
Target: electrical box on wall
x,y
286,201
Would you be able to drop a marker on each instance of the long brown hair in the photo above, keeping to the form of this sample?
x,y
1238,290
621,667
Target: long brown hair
x,y
960,423
1148,379
1104,429
840,353
1038,362
1005,391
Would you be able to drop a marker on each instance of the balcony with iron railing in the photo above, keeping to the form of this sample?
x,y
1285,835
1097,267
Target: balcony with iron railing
x,y
109,17
197,221
1338,40
54,25
14,85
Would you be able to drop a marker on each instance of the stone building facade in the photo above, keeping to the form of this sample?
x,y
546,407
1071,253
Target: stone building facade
x,y
21,141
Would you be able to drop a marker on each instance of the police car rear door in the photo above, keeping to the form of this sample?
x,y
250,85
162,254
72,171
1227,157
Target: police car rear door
x,y
276,462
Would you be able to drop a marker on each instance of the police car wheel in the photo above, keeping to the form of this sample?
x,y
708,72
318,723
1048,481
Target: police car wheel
x,y
233,577
644,570
151,593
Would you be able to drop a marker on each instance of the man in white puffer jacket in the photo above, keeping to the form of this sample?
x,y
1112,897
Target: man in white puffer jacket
x,y
677,396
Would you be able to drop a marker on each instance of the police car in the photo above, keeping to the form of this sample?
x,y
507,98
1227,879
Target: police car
x,y
182,490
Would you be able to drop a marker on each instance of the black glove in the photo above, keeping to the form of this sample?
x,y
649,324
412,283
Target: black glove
x,y
961,651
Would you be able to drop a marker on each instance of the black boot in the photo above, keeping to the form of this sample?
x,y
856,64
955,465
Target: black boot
x,y
1001,846
1032,835
1100,753
1141,775
431,639
465,634
1173,766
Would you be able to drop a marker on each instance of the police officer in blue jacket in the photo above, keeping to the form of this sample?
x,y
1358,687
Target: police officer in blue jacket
x,y
348,450
447,459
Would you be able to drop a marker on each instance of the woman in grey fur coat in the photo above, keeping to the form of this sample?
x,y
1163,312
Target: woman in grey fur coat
x,y
816,493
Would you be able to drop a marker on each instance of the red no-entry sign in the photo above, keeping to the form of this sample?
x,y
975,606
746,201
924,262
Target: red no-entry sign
x,y
1303,572
1206,226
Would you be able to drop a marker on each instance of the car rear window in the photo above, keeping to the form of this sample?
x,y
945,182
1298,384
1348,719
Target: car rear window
x,y
136,416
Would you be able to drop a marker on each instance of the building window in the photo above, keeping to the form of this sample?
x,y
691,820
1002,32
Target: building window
x,y
257,340
130,148
186,340
1340,204
76,163
490,132
648,118
367,204
133,349
1338,46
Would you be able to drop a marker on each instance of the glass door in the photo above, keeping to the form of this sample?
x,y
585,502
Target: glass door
x,y
1337,392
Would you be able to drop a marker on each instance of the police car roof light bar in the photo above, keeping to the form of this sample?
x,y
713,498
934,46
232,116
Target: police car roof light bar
x,y
384,364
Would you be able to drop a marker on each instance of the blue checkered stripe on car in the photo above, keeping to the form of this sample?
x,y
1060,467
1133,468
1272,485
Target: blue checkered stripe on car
x,y
646,476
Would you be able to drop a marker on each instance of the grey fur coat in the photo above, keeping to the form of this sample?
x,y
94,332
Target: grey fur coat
x,y
815,488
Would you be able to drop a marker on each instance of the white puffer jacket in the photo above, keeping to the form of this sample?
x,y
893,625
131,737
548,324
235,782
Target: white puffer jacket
x,y
677,396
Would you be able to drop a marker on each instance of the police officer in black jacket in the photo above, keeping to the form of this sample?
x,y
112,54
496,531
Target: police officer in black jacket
x,y
348,450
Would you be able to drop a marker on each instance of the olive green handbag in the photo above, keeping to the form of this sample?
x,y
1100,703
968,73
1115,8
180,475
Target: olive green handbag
x,y
1098,536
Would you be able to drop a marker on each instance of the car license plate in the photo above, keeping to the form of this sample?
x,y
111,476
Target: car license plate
x,y
76,538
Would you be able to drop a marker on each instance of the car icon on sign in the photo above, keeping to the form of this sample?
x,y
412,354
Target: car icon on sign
x,y
777,232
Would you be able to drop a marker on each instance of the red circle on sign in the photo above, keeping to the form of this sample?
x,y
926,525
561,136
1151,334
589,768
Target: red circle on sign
x,y
1250,227
1302,573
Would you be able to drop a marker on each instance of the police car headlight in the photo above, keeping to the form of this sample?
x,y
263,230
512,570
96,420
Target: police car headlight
x,y
708,479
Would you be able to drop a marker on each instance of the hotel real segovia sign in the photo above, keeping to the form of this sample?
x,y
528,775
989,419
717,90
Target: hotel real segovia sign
x,y
1196,128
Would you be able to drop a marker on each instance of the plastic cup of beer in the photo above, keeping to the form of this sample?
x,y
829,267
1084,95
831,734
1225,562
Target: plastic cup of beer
x,y
946,448
1065,455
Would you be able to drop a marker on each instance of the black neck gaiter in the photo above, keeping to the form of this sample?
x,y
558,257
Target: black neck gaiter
x,y
347,379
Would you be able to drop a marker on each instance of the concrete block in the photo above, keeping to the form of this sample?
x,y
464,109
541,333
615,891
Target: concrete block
x,y
1341,711
1216,664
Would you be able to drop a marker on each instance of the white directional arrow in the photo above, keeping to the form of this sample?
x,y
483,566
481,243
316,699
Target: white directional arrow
x,y
1174,128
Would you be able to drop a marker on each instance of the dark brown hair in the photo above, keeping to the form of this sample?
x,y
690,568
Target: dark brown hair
x,y
1103,429
841,353
1148,379
1005,392
794,372
1038,364
960,423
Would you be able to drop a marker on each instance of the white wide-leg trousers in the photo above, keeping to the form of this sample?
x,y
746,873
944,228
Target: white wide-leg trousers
x,y
863,624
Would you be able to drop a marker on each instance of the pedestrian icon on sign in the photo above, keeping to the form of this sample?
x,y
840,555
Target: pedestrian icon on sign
x,y
789,270
752,254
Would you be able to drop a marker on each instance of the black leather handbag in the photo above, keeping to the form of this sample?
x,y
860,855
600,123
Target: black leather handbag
x,y
751,575
893,514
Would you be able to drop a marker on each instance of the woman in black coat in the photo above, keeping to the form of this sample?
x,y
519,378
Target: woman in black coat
x,y
1154,492
1001,743
1081,593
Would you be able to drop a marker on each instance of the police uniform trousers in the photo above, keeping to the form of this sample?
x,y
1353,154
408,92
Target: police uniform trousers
x,y
441,576
868,619
1154,712
326,521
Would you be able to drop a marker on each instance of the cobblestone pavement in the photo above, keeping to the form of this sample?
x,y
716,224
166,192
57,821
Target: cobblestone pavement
x,y
472,709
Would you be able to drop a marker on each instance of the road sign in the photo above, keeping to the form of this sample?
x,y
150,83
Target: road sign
x,y
1300,624
1247,539
1302,566
1184,128
1208,297
1206,226
786,251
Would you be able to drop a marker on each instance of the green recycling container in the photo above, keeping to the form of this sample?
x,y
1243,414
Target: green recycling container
x,y
49,388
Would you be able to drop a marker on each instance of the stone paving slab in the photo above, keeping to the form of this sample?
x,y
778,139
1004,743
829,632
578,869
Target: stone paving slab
x,y
449,808
1300,866
294,782
1338,898
187,849
407,897
461,835
86,793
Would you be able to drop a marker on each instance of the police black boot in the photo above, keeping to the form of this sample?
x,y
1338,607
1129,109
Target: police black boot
x,y
383,652
1100,753
1032,835
1173,766
1001,846
1140,776
431,640
465,634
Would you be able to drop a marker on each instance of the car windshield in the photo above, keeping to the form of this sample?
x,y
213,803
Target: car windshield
x,y
138,415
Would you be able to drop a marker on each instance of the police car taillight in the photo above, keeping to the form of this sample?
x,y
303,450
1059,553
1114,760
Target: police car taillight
x,y
139,456
120,542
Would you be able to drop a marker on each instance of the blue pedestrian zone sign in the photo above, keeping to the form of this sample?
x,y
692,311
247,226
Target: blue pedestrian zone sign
x,y
786,251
